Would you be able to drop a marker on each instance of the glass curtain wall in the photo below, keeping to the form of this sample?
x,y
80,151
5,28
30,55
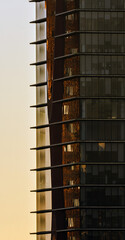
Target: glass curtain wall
x,y
102,48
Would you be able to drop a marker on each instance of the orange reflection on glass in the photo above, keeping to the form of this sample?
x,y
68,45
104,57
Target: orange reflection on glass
x,y
101,146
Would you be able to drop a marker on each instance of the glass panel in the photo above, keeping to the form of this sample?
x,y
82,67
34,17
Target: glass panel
x,y
102,174
105,196
102,152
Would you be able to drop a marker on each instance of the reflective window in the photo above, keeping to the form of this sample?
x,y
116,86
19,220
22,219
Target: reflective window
x,y
103,174
102,152
101,4
101,21
103,196
66,109
76,202
70,222
69,90
94,86
103,218
102,109
104,130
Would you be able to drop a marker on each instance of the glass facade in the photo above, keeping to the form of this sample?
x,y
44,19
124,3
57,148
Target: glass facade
x,y
85,48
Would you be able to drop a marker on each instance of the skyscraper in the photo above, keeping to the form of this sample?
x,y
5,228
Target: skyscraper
x,y
80,119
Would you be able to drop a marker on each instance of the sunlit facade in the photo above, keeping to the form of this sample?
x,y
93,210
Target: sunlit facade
x,y
80,119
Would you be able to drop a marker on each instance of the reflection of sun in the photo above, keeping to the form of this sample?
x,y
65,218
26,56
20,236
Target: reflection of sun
x,y
83,167
101,146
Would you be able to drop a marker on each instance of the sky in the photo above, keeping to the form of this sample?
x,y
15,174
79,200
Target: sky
x,y
16,118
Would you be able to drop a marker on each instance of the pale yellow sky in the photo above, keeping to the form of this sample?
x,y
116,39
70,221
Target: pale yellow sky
x,y
16,117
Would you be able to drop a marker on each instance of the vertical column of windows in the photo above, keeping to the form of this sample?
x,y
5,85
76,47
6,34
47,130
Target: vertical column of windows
x,y
70,132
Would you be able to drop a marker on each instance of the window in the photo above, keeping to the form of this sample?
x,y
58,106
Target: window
x,y
82,3
71,182
108,86
83,168
74,50
65,149
69,91
101,147
68,71
68,148
68,31
76,202
72,168
70,127
70,222
83,109
114,109
70,17
66,109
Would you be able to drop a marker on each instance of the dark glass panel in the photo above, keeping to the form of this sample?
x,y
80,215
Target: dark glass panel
x,y
83,43
120,43
102,108
107,43
108,65
102,87
102,174
115,87
94,20
82,3
102,196
120,65
114,65
113,21
82,65
88,20
107,20
114,4
101,4
103,235
102,152
88,43
121,109
102,21
102,218
82,20
82,86
120,4
107,4
104,130
95,87
88,65
121,152
95,4
121,87
120,21
88,4
102,44
88,85
94,67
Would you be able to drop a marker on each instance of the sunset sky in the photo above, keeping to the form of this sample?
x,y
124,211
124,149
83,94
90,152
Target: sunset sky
x,y
16,138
